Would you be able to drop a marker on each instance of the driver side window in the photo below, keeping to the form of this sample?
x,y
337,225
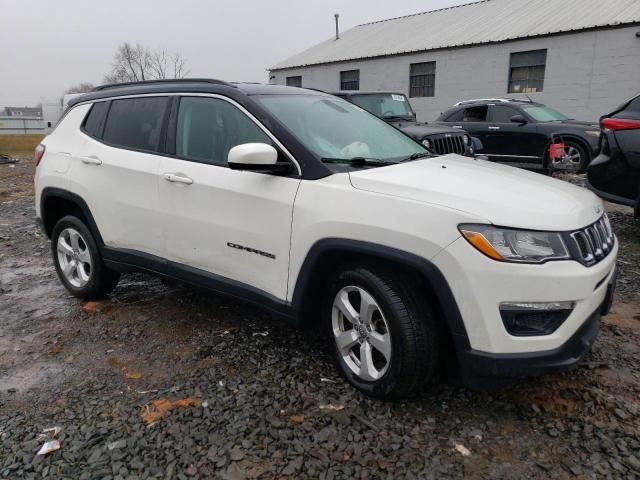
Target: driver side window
x,y
208,128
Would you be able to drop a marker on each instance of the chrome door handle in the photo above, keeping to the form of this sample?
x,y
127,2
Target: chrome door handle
x,y
91,160
173,178
494,128
457,126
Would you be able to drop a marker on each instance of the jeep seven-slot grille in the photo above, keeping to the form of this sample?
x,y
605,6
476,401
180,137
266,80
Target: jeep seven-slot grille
x,y
594,242
448,144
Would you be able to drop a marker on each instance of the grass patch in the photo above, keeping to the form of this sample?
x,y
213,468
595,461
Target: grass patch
x,y
20,146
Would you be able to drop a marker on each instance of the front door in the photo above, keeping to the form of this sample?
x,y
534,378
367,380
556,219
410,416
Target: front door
x,y
235,225
507,141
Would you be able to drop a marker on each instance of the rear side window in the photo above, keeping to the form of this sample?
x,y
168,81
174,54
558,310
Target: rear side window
x,y
135,122
634,106
95,119
208,128
475,114
455,116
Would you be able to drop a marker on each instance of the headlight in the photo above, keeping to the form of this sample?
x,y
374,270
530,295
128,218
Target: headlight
x,y
465,139
510,245
426,142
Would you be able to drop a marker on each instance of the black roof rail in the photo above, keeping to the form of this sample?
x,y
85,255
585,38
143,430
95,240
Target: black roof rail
x,y
108,86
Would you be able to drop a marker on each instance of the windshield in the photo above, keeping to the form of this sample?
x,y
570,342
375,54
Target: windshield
x,y
545,114
334,128
384,105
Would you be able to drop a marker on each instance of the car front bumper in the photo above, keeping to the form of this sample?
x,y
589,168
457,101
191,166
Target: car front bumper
x,y
486,351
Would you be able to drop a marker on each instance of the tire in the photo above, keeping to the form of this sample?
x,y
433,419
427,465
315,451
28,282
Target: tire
x,y
400,340
577,150
78,262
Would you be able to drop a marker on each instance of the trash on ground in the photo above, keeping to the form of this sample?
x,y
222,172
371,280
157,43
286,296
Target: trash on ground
x,y
205,404
155,410
262,334
95,307
464,451
52,444
329,407
327,380
297,418
49,446
133,375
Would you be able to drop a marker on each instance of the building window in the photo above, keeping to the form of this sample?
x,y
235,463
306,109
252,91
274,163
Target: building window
x,y
350,80
526,73
422,79
294,81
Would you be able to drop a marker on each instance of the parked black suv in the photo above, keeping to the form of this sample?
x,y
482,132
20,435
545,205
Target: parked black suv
x,y
394,108
520,131
615,173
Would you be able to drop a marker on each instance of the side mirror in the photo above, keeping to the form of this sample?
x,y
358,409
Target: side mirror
x,y
255,157
518,119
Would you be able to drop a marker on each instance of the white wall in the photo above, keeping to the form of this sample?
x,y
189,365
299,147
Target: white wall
x,y
587,74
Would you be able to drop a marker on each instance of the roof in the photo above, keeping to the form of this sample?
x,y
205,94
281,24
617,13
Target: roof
x,y
487,21
188,85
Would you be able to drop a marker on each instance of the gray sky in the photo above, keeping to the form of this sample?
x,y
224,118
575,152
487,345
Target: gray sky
x,y
50,45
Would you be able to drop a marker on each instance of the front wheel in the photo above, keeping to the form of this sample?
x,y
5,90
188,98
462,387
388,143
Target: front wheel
x,y
78,261
383,336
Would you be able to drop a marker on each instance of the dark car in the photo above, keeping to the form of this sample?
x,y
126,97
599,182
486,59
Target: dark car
x,y
615,173
394,108
519,132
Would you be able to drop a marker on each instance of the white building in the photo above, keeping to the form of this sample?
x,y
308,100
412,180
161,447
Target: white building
x,y
581,57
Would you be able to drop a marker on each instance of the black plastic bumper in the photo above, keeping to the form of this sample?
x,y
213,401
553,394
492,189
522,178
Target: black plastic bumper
x,y
482,370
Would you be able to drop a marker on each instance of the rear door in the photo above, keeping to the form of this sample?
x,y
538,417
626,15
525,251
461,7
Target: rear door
x,y
117,173
233,224
474,121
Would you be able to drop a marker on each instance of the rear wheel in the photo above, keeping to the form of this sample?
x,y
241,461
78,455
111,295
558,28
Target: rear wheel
x,y
577,155
383,338
78,261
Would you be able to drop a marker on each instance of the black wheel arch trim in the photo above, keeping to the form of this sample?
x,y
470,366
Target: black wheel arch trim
x,y
433,275
54,192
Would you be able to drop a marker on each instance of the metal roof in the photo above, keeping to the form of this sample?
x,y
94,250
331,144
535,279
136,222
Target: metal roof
x,y
487,21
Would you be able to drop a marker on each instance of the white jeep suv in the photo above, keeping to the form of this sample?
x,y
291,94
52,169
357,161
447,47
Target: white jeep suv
x,y
311,207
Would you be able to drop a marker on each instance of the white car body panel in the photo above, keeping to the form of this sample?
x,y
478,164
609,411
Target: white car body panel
x,y
223,206
505,196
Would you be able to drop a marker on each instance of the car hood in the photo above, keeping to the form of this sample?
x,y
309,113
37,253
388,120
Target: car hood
x,y
494,193
420,130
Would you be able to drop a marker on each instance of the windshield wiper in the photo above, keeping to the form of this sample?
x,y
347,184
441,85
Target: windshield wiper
x,y
358,161
396,117
418,155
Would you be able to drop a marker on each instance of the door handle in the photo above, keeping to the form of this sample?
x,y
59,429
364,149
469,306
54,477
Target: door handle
x,y
457,126
494,128
173,178
91,160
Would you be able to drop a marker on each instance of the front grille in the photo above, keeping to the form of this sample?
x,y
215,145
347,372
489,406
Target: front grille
x,y
448,144
594,242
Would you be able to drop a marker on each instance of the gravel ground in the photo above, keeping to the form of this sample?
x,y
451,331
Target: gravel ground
x,y
261,400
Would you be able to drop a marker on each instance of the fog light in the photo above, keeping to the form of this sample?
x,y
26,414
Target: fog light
x,y
534,319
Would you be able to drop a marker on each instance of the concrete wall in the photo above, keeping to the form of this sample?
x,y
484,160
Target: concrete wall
x,y
22,125
587,74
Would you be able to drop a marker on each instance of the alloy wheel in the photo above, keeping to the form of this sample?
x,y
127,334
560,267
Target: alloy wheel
x,y
74,257
361,333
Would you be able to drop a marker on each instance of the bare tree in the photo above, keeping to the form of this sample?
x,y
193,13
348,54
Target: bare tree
x,y
133,63
82,87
